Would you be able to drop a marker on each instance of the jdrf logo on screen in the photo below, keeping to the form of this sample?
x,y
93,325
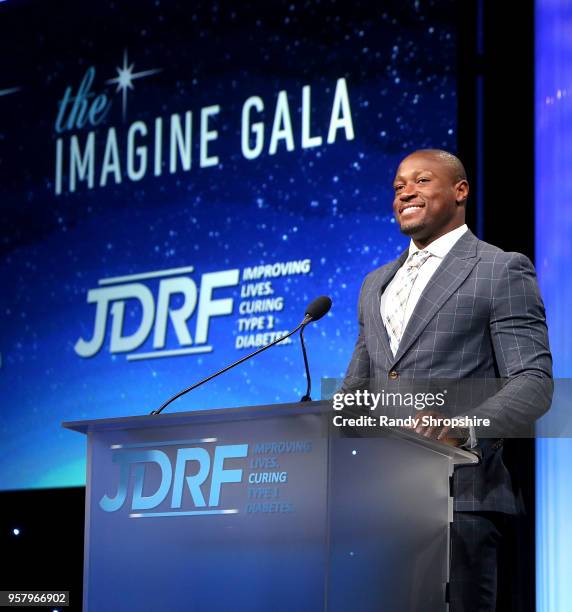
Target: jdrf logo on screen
x,y
136,312
202,489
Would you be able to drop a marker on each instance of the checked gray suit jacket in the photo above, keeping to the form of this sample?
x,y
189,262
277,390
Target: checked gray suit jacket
x,y
480,317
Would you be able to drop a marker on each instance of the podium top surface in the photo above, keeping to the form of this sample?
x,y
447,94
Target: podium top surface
x,y
319,408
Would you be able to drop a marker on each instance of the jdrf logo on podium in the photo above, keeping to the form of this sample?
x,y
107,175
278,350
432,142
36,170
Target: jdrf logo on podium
x,y
156,480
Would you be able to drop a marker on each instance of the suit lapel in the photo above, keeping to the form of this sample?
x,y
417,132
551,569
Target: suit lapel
x,y
378,287
454,269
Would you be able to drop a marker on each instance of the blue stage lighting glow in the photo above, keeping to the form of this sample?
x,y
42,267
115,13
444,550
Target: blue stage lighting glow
x,y
16,531
553,102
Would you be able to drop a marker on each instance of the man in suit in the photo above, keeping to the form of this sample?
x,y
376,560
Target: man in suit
x,y
454,307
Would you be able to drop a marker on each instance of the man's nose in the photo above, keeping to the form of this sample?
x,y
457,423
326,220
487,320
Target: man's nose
x,y
407,193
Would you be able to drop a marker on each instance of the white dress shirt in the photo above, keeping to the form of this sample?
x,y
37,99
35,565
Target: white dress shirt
x,y
438,249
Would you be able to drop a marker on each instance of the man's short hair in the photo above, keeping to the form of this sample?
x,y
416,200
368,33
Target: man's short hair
x,y
457,169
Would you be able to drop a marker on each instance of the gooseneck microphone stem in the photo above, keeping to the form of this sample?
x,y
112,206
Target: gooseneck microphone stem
x,y
307,319
306,398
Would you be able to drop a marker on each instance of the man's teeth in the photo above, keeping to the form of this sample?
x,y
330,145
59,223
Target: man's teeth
x,y
412,206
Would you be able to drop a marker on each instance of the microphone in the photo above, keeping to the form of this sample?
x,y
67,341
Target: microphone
x,y
316,310
319,307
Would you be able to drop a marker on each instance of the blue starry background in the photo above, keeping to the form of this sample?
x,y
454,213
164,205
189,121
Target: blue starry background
x,y
331,204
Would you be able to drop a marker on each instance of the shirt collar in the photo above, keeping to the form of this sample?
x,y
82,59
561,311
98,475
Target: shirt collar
x,y
441,246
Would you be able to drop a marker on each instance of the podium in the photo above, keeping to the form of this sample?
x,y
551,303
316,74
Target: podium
x,y
264,508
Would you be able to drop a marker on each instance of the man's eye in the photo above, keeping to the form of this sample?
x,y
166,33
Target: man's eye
x,y
423,179
398,187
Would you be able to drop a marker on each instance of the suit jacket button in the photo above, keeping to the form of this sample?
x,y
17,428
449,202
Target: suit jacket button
x,y
393,375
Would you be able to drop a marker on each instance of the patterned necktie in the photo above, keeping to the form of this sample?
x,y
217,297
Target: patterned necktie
x,y
395,310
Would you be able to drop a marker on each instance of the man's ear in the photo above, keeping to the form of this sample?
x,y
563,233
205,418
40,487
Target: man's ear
x,y
461,191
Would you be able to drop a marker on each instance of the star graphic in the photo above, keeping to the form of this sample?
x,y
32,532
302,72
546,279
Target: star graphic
x,y
10,90
126,76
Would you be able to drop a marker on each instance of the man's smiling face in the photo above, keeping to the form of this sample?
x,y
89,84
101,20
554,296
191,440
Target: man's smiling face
x,y
429,197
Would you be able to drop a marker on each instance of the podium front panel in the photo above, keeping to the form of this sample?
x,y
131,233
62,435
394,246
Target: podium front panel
x,y
264,508
208,516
